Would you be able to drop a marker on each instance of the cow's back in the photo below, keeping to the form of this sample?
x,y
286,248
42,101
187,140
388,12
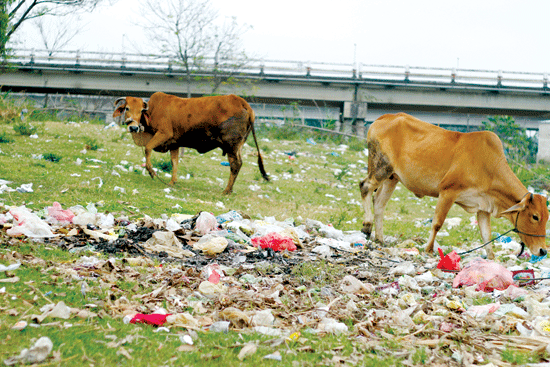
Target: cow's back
x,y
425,156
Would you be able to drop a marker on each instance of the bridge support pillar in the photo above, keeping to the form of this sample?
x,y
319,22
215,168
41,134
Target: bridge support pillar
x,y
543,153
353,118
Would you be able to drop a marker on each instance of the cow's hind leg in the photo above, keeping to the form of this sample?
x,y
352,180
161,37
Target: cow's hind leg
x,y
381,197
174,156
235,163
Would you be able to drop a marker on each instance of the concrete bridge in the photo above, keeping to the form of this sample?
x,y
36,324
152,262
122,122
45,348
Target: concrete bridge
x,y
352,95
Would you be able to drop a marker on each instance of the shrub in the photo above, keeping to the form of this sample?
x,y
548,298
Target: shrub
x,y
52,157
24,129
92,144
165,166
5,138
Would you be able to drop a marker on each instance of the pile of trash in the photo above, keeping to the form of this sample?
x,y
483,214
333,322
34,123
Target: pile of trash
x,y
236,273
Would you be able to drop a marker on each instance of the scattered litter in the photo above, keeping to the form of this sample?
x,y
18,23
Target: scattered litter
x,y
25,188
36,354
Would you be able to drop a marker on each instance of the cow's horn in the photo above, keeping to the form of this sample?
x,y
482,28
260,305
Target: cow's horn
x,y
145,106
120,99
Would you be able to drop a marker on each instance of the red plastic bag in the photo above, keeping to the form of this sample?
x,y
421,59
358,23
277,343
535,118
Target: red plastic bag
x,y
274,241
449,261
153,319
488,275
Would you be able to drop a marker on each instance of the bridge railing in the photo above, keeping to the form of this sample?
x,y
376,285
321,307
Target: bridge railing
x,y
282,68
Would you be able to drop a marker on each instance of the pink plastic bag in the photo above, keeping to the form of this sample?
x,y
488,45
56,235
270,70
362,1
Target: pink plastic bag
x,y
274,241
56,212
449,261
488,275
206,222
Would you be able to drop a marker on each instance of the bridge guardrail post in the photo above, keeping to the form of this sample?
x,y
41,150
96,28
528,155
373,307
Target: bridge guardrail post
x,y
545,81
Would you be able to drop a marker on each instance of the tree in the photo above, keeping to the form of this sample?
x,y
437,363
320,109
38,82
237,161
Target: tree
x,y
56,35
229,58
517,145
186,30
15,12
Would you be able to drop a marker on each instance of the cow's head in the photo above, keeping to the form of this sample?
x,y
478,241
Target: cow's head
x,y
530,216
134,112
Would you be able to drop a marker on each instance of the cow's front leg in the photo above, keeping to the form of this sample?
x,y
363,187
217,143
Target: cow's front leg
x,y
367,187
444,203
174,156
159,138
484,224
235,163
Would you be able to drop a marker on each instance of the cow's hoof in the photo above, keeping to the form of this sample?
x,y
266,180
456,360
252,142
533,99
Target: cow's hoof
x,y
227,192
367,229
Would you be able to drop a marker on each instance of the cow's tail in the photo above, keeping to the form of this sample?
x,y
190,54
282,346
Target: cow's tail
x,y
252,117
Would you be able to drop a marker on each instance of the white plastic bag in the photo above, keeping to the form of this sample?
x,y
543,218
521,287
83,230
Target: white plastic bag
x,y
28,224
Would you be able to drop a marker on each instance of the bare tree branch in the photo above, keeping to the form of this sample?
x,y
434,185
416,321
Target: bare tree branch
x,y
19,11
187,31
56,35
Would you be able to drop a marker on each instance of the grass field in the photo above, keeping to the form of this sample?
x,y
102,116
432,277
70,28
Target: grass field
x,y
77,163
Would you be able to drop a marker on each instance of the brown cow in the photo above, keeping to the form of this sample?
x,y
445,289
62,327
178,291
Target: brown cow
x,y
167,123
468,169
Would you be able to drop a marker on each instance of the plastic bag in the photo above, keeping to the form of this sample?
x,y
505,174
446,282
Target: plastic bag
x,y
28,224
152,319
58,214
274,241
206,222
211,245
487,275
449,261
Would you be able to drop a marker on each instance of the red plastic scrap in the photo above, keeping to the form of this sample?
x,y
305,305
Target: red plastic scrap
x,y
274,241
449,261
152,319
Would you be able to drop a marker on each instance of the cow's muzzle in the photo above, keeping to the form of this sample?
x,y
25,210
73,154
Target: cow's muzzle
x,y
133,129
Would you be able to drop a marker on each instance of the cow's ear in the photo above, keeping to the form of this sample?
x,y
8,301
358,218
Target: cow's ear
x,y
145,118
119,111
519,206
516,208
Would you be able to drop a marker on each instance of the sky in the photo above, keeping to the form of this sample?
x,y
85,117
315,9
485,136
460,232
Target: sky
x,y
506,35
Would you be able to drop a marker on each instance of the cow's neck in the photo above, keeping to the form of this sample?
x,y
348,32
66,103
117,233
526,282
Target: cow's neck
x,y
509,192
142,138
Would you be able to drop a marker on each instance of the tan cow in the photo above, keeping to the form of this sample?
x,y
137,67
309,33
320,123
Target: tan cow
x,y
468,169
167,123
